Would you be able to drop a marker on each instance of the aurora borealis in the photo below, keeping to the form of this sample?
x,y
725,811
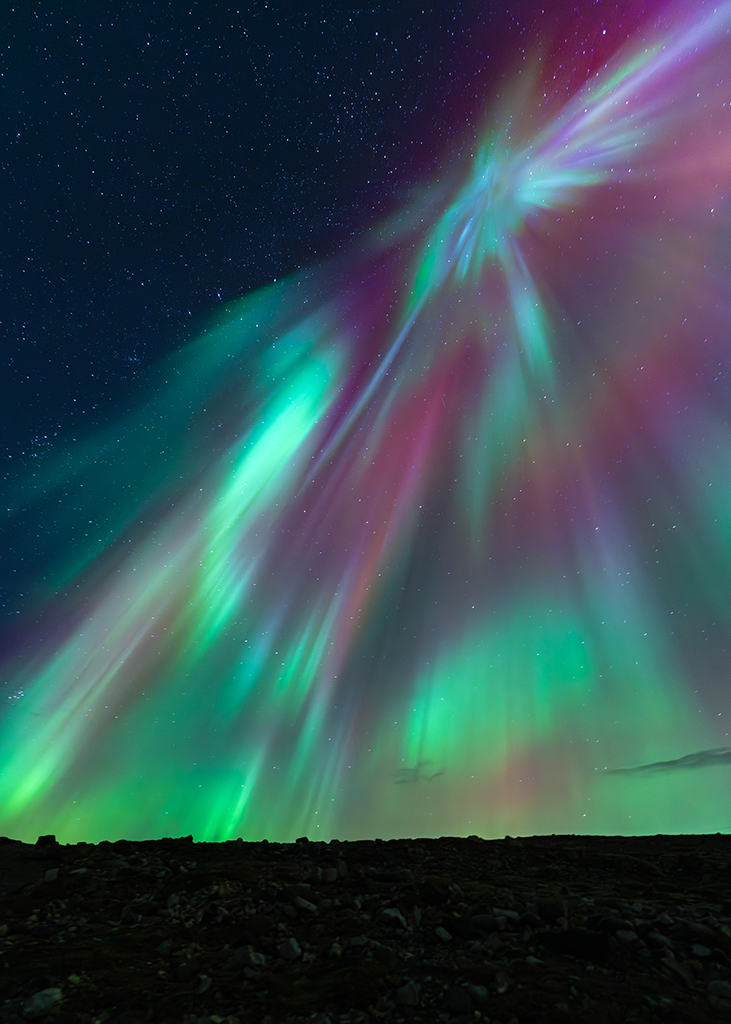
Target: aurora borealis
x,y
433,537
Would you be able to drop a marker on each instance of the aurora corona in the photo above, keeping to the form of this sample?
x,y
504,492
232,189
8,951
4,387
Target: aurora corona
x,y
444,550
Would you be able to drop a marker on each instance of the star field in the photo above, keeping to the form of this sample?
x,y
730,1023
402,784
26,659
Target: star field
x,y
368,431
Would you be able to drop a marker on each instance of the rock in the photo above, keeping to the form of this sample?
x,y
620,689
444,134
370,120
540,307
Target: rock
x,y
409,994
386,955
463,927
397,875
478,993
680,969
301,889
392,915
246,956
185,972
701,931
259,924
459,1000
488,922
584,943
720,989
290,949
510,915
41,1003
256,916
502,982
549,910
302,904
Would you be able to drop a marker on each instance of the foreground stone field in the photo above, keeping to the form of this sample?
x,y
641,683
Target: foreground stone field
x,y
552,928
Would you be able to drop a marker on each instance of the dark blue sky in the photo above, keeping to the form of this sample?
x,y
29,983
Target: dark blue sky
x,y
161,158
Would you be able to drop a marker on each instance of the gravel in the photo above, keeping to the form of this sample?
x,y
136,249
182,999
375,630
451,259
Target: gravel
x,y
515,931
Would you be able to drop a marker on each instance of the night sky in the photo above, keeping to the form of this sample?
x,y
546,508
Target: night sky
x,y
367,458
161,160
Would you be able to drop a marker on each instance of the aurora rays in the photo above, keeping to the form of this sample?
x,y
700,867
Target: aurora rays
x,y
430,539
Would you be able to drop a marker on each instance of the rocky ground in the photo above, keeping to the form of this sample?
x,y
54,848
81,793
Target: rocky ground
x,y
516,931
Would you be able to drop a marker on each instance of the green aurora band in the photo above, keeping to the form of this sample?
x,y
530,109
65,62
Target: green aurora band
x,y
435,551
